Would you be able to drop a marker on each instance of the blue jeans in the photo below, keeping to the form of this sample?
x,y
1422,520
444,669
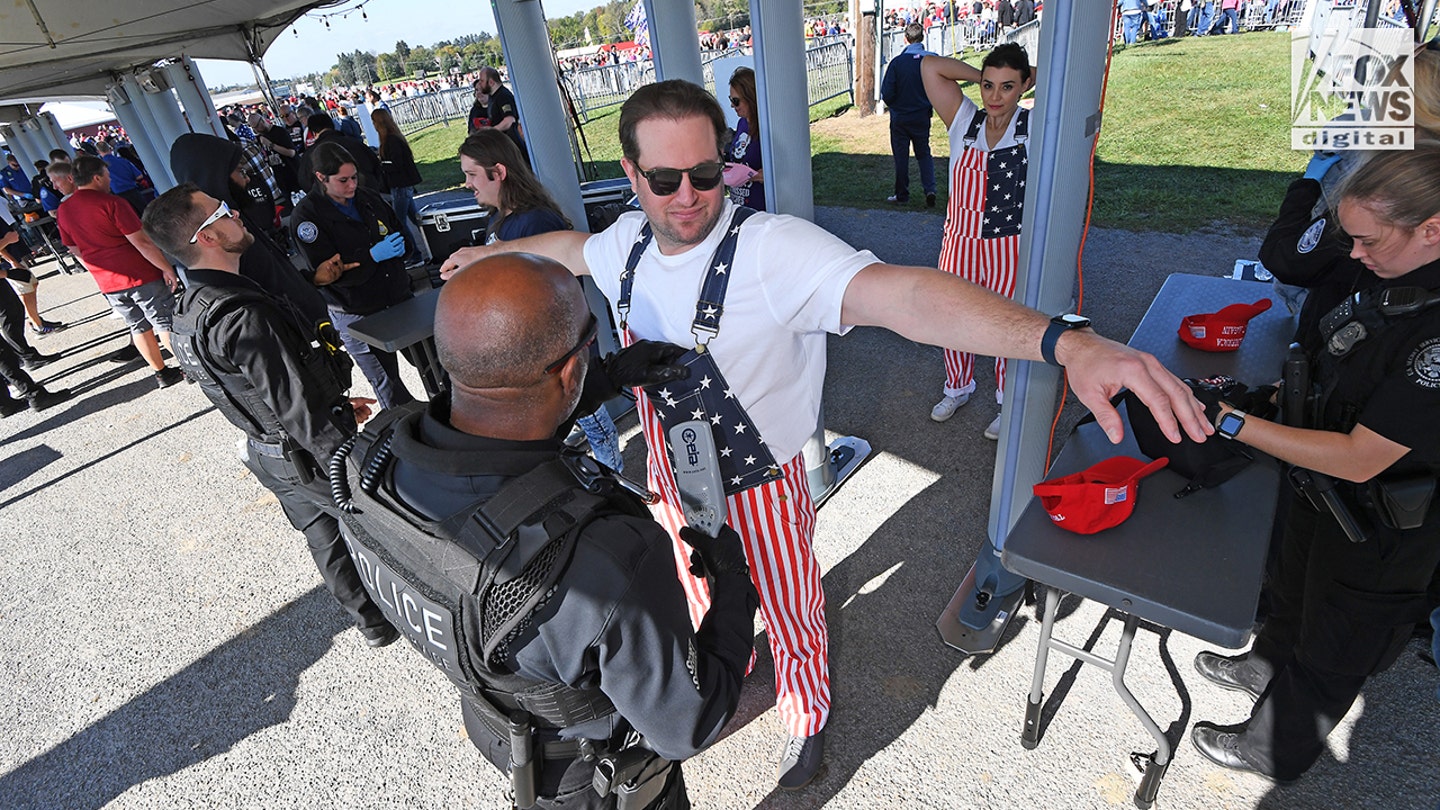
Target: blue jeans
x,y
1132,27
904,135
603,437
402,199
1207,19
380,367
1230,17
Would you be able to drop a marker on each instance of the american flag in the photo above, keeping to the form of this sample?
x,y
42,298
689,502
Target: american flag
x,y
1004,193
745,462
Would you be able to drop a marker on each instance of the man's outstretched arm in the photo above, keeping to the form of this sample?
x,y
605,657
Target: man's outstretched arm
x,y
930,306
566,247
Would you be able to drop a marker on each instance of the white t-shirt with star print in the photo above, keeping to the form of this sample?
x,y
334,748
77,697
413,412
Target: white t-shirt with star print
x,y
785,294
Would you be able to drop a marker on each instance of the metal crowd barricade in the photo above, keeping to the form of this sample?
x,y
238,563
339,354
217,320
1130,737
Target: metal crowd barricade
x,y
420,112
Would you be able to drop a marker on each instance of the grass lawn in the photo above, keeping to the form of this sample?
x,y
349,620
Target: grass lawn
x,y
1196,134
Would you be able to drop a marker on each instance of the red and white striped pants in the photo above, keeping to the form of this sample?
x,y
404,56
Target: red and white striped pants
x,y
776,522
992,264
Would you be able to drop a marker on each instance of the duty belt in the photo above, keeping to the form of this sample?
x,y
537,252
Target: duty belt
x,y
272,450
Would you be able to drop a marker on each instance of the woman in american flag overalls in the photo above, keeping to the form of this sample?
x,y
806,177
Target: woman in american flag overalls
x,y
988,162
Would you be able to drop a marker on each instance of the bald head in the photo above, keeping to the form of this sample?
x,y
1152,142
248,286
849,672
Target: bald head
x,y
500,322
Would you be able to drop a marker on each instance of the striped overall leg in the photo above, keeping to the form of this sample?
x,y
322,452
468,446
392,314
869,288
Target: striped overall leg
x,y
776,523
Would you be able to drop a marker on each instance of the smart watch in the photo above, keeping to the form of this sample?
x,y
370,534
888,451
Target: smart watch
x,y
1059,325
1229,423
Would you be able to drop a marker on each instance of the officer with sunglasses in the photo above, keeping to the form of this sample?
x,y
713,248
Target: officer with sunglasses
x,y
271,374
770,290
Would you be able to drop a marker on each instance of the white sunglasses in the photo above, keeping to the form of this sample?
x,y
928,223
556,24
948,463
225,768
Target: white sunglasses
x,y
220,213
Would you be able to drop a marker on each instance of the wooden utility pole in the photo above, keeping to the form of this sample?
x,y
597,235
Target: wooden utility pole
x,y
864,61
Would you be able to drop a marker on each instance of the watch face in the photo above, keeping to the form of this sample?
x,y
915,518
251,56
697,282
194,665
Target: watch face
x,y
1230,424
1075,320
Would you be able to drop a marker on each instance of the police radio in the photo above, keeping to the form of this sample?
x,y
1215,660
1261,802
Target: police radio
x,y
697,476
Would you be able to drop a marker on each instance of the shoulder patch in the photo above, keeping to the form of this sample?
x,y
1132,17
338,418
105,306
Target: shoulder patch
x,y
1423,368
307,232
1311,237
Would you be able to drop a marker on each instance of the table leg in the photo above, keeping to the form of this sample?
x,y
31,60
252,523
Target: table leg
x,y
1030,734
1160,760
427,361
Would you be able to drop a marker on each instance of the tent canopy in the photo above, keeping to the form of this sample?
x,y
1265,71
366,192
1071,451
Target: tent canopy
x,y
52,49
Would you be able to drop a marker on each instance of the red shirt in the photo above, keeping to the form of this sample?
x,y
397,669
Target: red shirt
x,y
97,223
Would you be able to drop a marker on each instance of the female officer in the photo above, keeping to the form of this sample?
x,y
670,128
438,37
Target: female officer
x,y
988,160
338,218
1342,610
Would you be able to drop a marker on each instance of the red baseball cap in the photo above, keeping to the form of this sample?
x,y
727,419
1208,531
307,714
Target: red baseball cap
x,y
1098,498
1220,331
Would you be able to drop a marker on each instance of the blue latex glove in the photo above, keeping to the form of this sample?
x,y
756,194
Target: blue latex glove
x,y
388,248
1320,165
26,196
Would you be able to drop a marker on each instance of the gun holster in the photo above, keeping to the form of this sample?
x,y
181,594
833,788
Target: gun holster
x,y
636,775
1403,503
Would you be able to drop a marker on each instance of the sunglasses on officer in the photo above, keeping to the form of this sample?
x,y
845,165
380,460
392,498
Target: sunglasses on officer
x,y
664,182
220,213
586,338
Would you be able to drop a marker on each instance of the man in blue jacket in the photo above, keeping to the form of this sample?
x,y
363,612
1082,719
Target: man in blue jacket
x,y
904,94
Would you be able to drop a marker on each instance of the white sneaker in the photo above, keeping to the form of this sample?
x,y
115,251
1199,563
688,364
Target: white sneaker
x,y
992,432
945,408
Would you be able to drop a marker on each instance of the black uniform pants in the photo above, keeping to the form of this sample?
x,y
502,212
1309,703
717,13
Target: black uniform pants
x,y
12,322
1340,612
306,505
14,374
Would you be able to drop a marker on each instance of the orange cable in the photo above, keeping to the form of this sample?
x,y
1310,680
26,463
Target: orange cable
x,y
1084,233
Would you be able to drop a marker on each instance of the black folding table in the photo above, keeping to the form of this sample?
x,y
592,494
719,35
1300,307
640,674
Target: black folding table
x,y
1193,564
408,327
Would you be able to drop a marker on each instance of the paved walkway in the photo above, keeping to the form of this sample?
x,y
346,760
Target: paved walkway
x,y
165,642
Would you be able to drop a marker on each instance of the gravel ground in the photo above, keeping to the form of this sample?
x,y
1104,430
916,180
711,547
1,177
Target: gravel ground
x,y
165,641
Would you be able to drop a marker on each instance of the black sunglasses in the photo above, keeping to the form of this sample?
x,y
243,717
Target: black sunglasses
x,y
664,182
734,102
586,338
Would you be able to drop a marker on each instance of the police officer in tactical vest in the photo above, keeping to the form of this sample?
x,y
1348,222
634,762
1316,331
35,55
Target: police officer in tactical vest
x,y
267,370
528,574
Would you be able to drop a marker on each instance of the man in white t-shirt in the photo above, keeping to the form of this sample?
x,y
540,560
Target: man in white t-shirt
x,y
789,284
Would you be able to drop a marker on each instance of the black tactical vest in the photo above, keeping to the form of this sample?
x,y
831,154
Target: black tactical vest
x,y
504,555
232,394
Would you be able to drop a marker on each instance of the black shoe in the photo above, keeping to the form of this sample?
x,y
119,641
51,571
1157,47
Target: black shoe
x,y
46,399
382,636
930,200
128,354
36,360
801,761
169,376
1221,745
1237,673
895,200
14,406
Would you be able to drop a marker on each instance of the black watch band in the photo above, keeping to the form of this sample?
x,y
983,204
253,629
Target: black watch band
x,y
1059,325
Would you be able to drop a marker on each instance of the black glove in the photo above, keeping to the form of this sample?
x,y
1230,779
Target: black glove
x,y
1211,391
718,555
645,363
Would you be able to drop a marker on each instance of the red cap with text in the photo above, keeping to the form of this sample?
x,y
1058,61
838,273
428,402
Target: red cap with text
x,y
1098,498
1220,331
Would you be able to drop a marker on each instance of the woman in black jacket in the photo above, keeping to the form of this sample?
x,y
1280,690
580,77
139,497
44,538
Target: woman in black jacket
x,y
402,177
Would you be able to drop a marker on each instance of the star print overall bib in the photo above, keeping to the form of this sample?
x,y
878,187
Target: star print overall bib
x,y
981,243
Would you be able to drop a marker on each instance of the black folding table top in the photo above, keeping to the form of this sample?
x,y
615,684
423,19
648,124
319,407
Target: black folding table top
x,y
1193,563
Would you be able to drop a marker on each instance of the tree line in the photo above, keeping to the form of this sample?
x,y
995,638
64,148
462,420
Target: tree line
x,y
600,25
